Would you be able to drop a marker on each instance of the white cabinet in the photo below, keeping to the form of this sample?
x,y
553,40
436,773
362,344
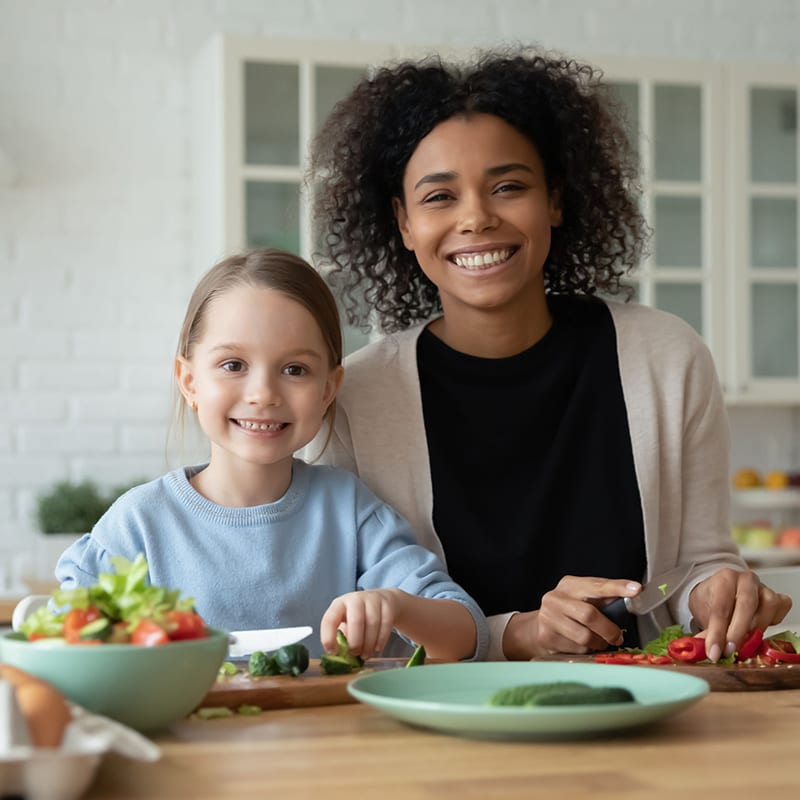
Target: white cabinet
x,y
719,152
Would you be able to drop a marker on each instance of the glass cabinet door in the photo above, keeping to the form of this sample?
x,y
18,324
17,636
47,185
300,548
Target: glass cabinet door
x,y
668,119
766,155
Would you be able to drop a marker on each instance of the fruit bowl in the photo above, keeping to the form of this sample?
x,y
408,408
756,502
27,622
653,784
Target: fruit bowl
x,y
146,688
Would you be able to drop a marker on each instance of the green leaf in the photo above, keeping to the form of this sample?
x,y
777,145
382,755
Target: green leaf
x,y
658,646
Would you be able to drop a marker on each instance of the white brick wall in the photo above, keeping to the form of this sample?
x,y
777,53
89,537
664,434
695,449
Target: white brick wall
x,y
95,237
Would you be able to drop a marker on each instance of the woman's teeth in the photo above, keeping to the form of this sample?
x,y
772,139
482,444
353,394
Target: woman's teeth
x,y
260,426
481,260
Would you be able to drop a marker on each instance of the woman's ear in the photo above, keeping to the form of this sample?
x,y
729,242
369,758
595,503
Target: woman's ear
x,y
332,385
185,379
401,216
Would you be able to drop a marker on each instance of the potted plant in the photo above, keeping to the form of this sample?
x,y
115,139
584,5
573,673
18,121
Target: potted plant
x,y
63,514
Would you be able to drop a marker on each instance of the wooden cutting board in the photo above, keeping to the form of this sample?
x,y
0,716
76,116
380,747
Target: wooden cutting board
x,y
720,677
312,688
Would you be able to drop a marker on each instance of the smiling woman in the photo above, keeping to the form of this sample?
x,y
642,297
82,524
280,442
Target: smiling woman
x,y
556,448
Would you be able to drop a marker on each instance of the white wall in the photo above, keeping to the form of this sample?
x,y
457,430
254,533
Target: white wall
x,y
95,237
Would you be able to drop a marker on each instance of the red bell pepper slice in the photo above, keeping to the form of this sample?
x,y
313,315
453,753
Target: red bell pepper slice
x,y
780,655
751,645
687,648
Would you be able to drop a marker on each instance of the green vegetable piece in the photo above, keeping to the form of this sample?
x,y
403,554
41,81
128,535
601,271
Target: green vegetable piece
x,y
261,664
658,646
788,636
213,712
662,587
337,665
292,659
96,630
417,657
590,695
249,711
227,669
526,695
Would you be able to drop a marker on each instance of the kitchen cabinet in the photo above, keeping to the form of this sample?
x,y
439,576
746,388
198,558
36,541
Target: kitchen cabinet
x,y
718,146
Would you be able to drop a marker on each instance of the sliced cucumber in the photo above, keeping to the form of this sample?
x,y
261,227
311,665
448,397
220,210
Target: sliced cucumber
x,y
97,630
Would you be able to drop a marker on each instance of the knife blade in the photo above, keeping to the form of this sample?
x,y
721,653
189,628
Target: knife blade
x,y
655,592
243,643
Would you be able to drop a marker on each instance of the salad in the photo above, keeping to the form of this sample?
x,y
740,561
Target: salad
x,y
121,608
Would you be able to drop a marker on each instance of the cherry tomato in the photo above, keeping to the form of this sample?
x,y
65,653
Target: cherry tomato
x,y
149,634
184,625
75,619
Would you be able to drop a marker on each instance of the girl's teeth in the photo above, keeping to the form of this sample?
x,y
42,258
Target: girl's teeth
x,y
480,260
260,426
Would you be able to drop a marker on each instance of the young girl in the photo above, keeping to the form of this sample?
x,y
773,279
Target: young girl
x,y
557,448
256,537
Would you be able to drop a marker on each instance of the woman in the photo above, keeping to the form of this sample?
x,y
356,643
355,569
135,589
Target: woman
x,y
556,448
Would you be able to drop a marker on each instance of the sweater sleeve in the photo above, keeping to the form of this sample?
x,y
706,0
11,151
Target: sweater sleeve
x,y
389,557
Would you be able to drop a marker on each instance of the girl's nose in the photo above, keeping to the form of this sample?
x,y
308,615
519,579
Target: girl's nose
x,y
477,214
263,390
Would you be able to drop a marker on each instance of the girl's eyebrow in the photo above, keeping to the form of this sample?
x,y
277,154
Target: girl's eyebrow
x,y
301,353
443,177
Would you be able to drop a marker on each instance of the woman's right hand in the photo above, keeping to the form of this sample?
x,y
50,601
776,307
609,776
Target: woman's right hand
x,y
569,619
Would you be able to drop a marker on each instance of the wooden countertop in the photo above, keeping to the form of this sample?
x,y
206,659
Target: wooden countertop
x,y
736,746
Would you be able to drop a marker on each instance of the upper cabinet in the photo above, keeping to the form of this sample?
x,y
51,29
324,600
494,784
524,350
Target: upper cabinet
x,y
719,152
763,210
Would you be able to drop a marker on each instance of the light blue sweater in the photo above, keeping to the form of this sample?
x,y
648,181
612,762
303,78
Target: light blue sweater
x,y
267,566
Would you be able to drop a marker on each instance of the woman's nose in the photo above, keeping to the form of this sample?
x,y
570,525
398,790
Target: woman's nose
x,y
477,214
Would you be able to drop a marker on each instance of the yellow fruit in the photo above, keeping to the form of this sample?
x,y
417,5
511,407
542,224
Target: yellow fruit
x,y
777,479
747,478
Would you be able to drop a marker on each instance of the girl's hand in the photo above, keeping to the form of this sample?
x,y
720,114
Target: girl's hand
x,y
569,620
367,619
729,604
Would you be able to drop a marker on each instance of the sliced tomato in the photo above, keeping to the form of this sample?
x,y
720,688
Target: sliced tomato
x,y
184,625
751,645
687,648
75,619
149,634
652,659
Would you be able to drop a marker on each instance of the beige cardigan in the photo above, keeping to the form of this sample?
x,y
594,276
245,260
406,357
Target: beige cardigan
x,y
678,430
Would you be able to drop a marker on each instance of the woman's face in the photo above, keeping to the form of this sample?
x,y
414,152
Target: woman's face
x,y
478,215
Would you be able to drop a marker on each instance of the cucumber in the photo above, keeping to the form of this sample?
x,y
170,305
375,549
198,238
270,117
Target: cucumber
x,y
417,657
337,665
98,630
591,695
526,695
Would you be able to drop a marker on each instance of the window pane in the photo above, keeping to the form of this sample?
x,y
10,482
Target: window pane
x,y
678,232
773,240
774,334
273,215
271,114
628,95
678,123
773,135
331,85
683,299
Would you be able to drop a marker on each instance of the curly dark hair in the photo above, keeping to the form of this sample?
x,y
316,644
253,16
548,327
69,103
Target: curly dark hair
x,y
359,157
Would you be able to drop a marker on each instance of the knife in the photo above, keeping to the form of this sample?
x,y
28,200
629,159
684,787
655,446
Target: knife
x,y
243,643
654,593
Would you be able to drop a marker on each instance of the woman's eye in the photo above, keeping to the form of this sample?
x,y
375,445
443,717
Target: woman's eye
x,y
295,370
232,366
509,187
439,197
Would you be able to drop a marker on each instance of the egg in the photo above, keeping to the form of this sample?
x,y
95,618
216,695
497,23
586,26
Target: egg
x,y
43,706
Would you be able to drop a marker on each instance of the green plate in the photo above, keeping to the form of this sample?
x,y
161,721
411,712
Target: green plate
x,y
452,698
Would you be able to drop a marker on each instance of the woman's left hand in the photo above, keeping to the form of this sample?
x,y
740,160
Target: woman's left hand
x,y
729,604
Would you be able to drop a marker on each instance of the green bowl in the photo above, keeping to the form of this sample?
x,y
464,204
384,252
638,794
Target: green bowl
x,y
146,688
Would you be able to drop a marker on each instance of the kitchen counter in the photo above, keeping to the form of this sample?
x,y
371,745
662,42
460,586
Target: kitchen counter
x,y
730,745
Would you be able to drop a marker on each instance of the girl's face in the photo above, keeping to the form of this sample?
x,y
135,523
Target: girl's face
x,y
478,214
260,376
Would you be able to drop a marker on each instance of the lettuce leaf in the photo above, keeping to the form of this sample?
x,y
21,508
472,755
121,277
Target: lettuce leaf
x,y
658,646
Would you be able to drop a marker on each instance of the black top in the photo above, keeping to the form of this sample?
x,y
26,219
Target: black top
x,y
531,461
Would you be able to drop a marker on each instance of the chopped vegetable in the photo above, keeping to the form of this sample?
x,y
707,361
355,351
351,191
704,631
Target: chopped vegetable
x,y
292,659
687,648
417,657
227,669
662,587
659,645
750,646
262,664
213,712
340,662
527,694
591,695
249,711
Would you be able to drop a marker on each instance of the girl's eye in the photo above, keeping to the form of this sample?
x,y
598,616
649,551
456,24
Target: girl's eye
x,y
232,366
295,370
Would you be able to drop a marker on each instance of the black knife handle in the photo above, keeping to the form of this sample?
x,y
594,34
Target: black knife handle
x,y
618,613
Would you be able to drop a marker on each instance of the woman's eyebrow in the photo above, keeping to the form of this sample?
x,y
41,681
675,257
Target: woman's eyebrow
x,y
443,177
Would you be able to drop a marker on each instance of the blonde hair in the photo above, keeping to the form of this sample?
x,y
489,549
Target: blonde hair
x,y
265,268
